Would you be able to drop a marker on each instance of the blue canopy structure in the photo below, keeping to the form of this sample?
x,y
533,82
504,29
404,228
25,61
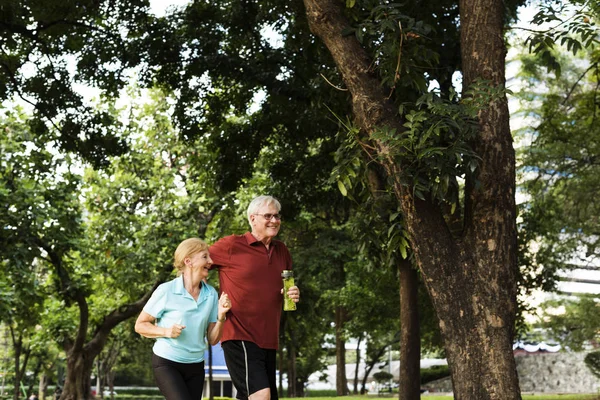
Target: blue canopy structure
x,y
222,385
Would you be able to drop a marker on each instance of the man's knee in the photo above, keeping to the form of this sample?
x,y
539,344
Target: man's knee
x,y
263,394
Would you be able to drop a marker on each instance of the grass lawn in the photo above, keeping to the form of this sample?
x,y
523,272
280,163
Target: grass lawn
x,y
533,397
433,397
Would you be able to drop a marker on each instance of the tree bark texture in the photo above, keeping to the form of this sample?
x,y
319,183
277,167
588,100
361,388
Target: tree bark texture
x,y
77,383
341,381
81,355
410,339
471,278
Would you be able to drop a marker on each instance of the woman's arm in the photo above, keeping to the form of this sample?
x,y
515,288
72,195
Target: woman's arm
x,y
215,329
145,326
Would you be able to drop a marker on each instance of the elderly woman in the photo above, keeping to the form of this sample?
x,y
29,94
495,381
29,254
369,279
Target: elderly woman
x,y
181,315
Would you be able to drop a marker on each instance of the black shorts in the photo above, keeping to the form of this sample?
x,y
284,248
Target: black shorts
x,y
251,368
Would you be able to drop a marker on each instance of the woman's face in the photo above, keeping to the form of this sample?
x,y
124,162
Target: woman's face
x,y
201,262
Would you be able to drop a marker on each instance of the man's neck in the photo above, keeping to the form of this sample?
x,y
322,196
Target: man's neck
x,y
266,240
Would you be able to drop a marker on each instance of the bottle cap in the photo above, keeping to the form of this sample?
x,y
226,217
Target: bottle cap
x,y
287,273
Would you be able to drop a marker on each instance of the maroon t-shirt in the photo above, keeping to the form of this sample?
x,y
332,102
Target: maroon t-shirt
x,y
251,276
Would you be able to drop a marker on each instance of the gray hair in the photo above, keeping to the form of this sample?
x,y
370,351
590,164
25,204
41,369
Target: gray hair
x,y
260,201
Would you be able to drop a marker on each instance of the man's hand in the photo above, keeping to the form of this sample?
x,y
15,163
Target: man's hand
x,y
293,293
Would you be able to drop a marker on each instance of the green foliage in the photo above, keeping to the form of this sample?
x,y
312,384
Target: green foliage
x,y
558,228
434,373
433,149
592,361
400,47
40,37
572,322
382,376
572,26
175,178
382,242
104,236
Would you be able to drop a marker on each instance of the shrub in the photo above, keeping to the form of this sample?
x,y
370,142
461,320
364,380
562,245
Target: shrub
x,y
434,373
382,376
592,361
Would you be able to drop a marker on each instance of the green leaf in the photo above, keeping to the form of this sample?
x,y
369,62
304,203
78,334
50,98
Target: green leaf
x,y
342,188
403,252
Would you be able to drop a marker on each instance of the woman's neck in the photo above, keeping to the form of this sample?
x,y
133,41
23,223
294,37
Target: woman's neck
x,y
192,283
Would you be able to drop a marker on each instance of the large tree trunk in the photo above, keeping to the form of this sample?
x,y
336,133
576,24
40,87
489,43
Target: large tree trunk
x,y
471,279
341,381
78,383
410,339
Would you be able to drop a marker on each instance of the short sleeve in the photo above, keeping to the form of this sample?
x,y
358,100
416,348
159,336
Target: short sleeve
x,y
214,312
156,305
219,252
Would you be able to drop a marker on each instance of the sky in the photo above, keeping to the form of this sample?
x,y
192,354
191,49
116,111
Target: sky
x,y
159,7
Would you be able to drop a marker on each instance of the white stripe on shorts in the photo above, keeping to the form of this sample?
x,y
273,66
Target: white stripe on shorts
x,y
246,361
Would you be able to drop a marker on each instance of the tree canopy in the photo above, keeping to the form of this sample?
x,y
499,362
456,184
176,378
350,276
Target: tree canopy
x,y
326,107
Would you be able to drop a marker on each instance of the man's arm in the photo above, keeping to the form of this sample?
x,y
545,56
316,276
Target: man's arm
x,y
220,252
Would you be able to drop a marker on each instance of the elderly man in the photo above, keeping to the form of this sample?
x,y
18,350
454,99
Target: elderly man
x,y
250,267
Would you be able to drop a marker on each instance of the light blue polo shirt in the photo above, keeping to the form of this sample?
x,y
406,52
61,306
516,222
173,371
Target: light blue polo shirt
x,y
172,304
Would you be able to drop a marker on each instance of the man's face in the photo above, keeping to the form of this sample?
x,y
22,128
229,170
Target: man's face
x,y
261,227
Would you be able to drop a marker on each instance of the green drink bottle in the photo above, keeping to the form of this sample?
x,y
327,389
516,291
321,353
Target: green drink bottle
x,y
288,282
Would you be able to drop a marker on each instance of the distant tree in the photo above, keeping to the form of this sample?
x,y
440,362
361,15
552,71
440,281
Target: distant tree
x,y
382,376
558,160
32,197
592,361
572,322
102,265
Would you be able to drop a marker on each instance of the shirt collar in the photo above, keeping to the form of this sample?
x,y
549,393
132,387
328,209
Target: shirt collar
x,y
180,289
251,239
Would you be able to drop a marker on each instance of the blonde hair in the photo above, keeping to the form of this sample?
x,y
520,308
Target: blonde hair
x,y
187,248
260,201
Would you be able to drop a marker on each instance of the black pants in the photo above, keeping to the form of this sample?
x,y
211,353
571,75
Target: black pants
x,y
178,381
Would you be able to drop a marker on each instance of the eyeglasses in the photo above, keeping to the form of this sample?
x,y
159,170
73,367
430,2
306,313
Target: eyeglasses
x,y
269,217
